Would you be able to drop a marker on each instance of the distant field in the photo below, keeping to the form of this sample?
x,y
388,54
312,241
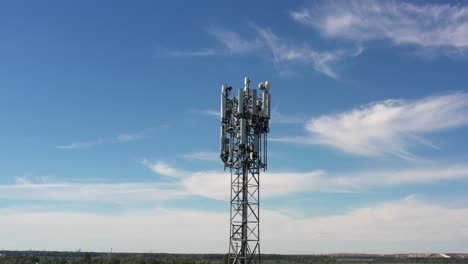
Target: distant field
x,y
48,257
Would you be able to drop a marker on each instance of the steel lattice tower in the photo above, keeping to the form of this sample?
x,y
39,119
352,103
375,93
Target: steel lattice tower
x,y
244,128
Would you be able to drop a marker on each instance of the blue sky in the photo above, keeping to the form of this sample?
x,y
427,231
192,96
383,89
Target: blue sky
x,y
109,131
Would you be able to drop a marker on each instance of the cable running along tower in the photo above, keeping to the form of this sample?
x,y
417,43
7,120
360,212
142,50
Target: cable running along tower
x,y
244,129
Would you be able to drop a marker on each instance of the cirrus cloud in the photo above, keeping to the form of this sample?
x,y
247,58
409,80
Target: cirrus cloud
x,y
403,23
386,127
280,51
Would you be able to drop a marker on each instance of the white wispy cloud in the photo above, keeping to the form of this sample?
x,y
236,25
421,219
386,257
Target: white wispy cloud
x,y
387,127
202,155
164,169
195,53
134,136
90,192
83,144
26,180
403,23
124,137
321,61
234,42
278,117
215,184
282,51
231,43
394,177
22,180
207,112
401,223
408,225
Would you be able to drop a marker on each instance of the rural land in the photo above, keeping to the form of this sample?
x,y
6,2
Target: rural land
x,y
59,257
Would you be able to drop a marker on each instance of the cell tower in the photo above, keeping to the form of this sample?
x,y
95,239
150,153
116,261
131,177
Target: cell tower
x,y
244,129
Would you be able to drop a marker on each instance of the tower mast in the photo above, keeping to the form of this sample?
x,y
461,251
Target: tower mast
x,y
244,129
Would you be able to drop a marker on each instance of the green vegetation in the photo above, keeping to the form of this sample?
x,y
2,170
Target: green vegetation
x,y
33,257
